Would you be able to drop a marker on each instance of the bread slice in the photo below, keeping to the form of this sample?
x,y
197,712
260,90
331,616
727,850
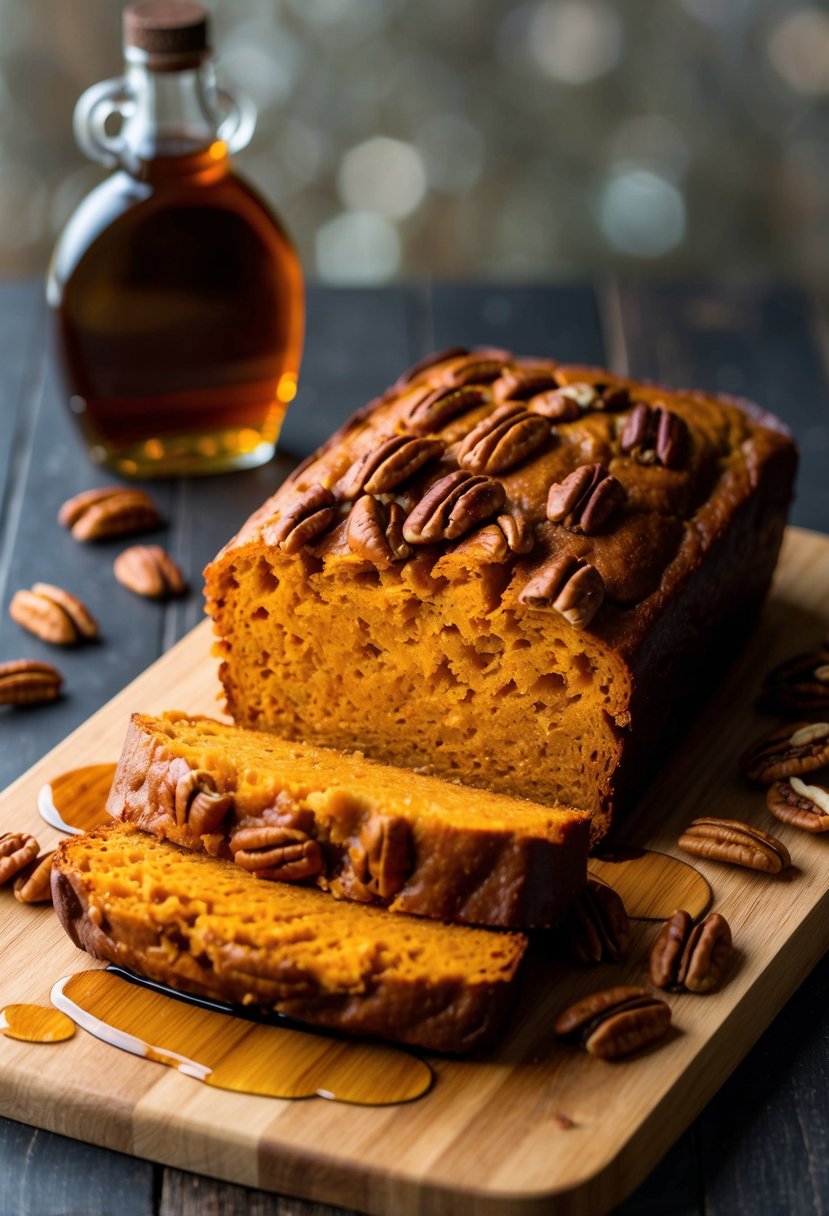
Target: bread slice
x,y
205,926
508,571
362,830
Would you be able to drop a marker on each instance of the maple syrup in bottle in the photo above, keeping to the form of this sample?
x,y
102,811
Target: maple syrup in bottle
x,y
177,298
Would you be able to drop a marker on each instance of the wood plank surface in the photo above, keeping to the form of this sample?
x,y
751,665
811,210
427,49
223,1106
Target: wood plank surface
x,y
486,1139
767,341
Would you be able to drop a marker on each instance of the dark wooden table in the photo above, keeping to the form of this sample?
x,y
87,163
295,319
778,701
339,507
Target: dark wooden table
x,y
760,1146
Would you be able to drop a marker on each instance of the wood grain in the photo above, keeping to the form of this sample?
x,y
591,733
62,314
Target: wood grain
x,y
487,1137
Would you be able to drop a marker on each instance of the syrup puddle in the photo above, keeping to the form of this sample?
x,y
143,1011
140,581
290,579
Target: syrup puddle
x,y
75,802
35,1024
652,885
233,1053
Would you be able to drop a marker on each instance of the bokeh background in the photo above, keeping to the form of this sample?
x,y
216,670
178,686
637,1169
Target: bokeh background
x,y
475,138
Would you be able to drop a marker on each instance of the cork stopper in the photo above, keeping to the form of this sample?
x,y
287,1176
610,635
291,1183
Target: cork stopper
x,y
167,32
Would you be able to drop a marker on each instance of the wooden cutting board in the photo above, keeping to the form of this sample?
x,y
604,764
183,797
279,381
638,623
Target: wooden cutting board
x,y
492,1136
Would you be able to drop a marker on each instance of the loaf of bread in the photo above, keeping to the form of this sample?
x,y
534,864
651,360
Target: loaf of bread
x,y
205,926
365,831
508,572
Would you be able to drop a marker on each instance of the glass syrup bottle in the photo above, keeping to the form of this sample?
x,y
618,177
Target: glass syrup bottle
x,y
177,297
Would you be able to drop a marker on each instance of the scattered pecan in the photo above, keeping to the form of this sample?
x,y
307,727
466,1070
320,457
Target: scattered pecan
x,y
197,803
276,851
788,751
17,850
435,407
569,585
311,514
393,461
149,570
655,435
502,440
107,512
736,843
688,957
382,858
615,1023
426,364
452,506
33,884
798,686
800,804
52,614
27,682
375,532
586,499
598,928
523,383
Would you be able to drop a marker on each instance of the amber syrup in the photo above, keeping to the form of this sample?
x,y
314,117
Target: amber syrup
x,y
178,308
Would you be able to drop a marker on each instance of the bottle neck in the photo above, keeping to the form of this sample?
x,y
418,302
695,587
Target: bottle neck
x,y
173,114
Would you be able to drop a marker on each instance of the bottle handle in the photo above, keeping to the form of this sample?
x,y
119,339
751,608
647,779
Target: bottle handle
x,y
94,107
238,125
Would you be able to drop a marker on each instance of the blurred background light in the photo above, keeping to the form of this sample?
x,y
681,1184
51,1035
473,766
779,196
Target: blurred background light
x,y
642,214
799,50
358,247
574,41
382,175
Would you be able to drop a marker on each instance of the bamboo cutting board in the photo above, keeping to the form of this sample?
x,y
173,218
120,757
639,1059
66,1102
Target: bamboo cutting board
x,y
531,1127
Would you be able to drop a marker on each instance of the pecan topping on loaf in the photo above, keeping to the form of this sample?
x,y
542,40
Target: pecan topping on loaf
x,y
523,383
585,500
452,506
616,1022
424,365
502,440
375,531
479,367
688,957
382,858
517,531
655,435
198,805
569,585
435,407
387,466
497,542
276,851
307,518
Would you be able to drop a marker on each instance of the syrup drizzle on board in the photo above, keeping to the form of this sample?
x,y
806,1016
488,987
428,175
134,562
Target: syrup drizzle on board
x,y
75,802
35,1024
234,1053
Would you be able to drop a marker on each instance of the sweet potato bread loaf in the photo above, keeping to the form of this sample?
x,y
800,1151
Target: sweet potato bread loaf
x,y
205,926
365,831
505,571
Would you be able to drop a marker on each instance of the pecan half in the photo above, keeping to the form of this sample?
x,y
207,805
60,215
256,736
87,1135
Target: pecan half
x,y
33,884
27,682
800,804
502,440
311,514
427,363
788,751
452,506
149,570
655,435
615,1023
197,803
435,407
374,531
688,957
478,367
586,499
737,843
17,850
393,461
52,614
523,383
598,928
276,851
570,586
800,685
382,859
107,512
518,532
